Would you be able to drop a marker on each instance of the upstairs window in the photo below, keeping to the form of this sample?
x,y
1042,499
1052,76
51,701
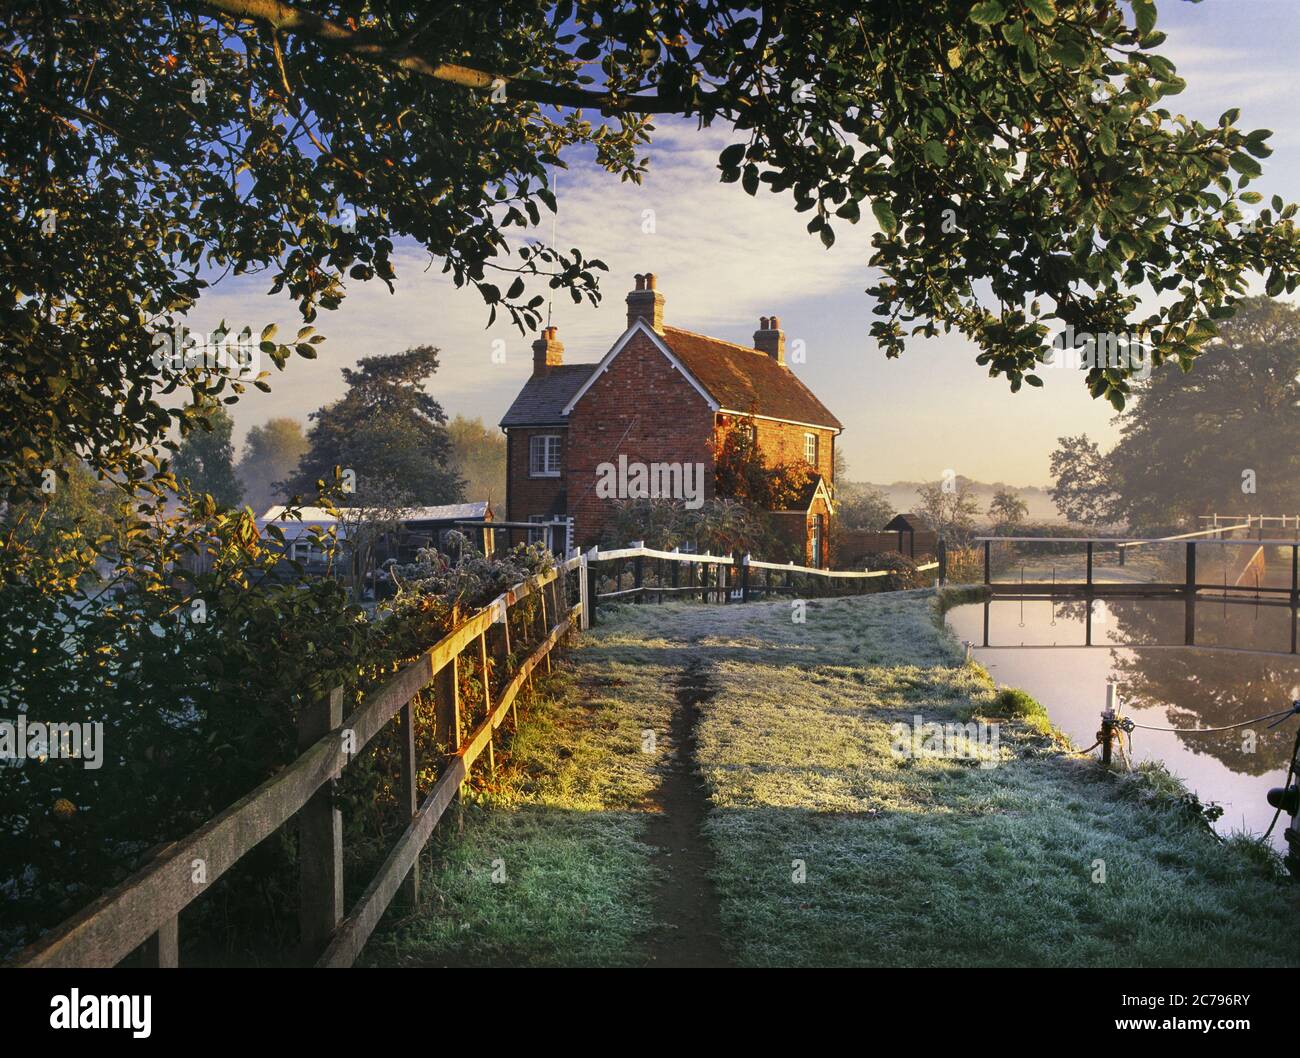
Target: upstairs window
x,y
544,456
810,448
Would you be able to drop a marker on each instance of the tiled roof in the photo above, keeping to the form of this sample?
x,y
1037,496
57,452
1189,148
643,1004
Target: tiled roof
x,y
544,396
744,380
740,379
908,523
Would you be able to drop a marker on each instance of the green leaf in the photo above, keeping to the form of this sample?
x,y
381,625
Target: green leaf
x,y
1027,54
1145,13
988,13
1245,164
1043,10
884,216
936,153
1106,140
731,156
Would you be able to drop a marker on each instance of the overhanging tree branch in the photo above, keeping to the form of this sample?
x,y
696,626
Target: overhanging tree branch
x,y
395,54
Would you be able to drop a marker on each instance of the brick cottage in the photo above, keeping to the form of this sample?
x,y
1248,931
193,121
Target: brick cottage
x,y
662,396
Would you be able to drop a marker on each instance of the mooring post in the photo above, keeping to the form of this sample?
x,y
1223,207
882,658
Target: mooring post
x,y
1107,733
987,546
1189,604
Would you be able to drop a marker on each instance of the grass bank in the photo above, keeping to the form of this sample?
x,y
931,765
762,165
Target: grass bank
x,y
546,863
826,846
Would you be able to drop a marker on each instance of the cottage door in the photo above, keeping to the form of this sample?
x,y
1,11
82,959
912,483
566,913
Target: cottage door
x,y
817,542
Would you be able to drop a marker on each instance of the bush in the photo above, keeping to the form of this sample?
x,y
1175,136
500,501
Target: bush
x,y
903,573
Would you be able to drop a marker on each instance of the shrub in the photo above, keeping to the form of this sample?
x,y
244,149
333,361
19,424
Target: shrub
x,y
903,573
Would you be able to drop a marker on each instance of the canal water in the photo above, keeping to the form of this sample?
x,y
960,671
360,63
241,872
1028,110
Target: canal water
x,y
1039,645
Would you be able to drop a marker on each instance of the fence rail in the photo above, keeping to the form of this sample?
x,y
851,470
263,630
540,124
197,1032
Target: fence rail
x,y
721,577
142,912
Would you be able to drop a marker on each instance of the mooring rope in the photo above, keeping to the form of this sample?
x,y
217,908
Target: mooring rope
x,y
1229,727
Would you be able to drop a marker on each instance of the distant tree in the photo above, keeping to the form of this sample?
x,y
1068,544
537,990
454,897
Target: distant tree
x,y
1225,437
271,454
1081,482
1007,508
387,431
863,507
206,459
478,455
76,510
950,508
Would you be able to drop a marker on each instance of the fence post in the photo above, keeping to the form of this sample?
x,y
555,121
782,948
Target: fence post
x,y
987,546
584,594
546,623
593,556
744,578
638,576
675,564
409,796
320,837
1089,565
162,950
1189,604
942,548
446,699
503,653
487,705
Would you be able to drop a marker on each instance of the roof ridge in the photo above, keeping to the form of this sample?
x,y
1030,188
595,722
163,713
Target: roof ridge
x,y
720,341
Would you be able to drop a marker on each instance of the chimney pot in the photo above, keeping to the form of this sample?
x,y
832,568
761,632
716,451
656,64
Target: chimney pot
x,y
548,351
646,303
770,339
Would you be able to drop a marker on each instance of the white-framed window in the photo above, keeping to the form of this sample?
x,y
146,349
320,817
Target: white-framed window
x,y
810,448
537,536
544,456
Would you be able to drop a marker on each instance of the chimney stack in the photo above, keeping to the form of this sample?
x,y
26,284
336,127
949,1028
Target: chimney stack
x,y
646,303
548,351
770,339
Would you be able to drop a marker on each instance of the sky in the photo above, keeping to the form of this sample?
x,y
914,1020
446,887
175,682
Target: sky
x,y
723,259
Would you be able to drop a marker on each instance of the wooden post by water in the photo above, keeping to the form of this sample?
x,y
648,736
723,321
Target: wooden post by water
x,y
320,837
988,544
1089,565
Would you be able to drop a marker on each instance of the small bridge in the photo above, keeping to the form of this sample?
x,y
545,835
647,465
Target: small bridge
x,y
1206,564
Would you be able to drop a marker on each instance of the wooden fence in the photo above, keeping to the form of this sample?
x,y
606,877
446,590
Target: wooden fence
x,y
142,912
852,545
714,578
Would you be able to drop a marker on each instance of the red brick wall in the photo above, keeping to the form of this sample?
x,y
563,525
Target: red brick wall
x,y
664,417
532,495
783,442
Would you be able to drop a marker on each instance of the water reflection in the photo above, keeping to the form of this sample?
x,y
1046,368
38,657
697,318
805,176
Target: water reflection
x,y
1064,651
